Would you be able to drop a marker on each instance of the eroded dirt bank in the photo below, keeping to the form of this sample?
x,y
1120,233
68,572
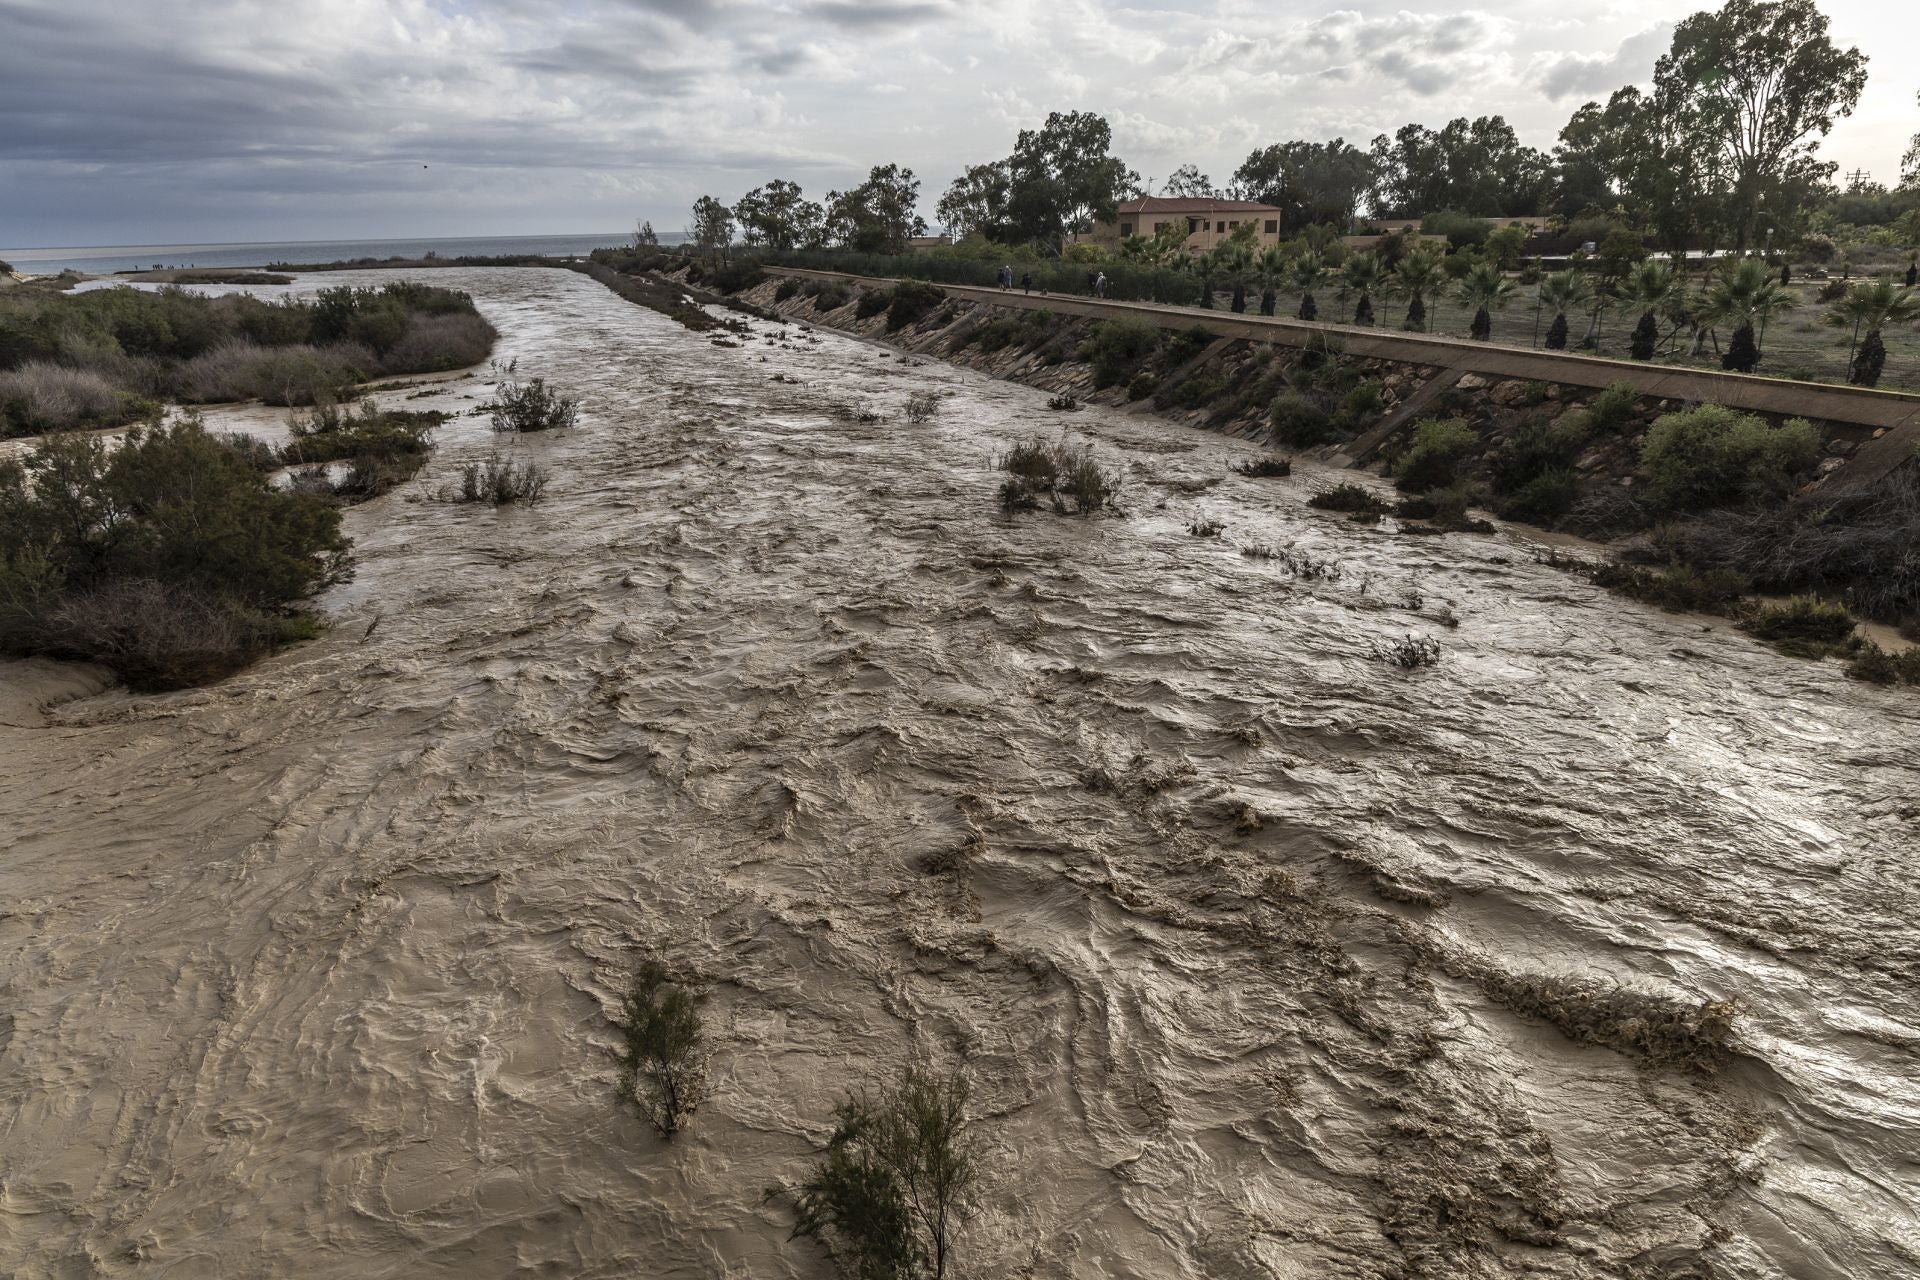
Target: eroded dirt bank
x,y
308,973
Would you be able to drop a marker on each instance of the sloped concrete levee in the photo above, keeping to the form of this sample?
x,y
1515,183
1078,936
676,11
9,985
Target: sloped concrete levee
x,y
1894,412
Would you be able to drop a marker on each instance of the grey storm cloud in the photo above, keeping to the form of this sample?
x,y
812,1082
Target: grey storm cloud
x,y
1568,75
167,120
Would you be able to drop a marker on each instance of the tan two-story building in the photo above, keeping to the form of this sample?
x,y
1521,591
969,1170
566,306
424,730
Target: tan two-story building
x,y
1208,222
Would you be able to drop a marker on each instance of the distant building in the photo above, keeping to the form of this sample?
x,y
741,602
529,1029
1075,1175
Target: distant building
x,y
918,244
1208,222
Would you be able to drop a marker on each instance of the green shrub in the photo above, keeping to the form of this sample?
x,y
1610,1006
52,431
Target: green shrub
x,y
1681,590
1876,665
501,480
1613,408
664,1074
1543,499
1357,406
995,334
1803,620
911,301
1712,456
896,1180
786,289
1057,472
1142,386
531,405
1347,496
1116,348
1537,448
830,295
1299,422
735,277
1433,460
871,303
171,558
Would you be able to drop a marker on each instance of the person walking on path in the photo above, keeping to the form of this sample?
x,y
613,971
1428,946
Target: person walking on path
x,y
1026,282
1100,286
1006,278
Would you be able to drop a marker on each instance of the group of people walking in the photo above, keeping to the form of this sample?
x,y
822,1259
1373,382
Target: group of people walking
x,y
1096,281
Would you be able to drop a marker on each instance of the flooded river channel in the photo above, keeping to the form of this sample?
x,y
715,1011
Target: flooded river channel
x,y
309,973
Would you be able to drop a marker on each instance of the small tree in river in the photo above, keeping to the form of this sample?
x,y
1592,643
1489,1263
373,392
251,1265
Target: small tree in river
x,y
896,1180
664,1075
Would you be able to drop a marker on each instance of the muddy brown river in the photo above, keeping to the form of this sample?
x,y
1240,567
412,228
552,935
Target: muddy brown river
x,y
309,973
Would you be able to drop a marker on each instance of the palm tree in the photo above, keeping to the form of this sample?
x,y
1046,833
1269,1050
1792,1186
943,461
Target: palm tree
x,y
1236,262
1361,274
1563,291
1272,266
1871,305
1486,289
1307,270
1744,293
1418,276
1649,285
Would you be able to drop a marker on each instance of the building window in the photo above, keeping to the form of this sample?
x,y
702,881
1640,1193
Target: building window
x,y
1273,226
1193,225
1126,229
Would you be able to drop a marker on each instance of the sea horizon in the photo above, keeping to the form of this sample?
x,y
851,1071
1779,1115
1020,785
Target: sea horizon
x,y
51,259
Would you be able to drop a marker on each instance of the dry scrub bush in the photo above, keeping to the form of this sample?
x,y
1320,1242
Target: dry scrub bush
x,y
1863,541
39,398
922,405
1409,652
501,480
531,405
1071,479
664,1074
1347,496
1264,467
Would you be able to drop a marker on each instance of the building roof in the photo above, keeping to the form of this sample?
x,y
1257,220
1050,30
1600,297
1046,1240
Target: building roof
x,y
1186,204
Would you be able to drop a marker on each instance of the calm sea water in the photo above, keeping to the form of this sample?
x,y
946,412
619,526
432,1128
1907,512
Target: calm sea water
x,y
141,257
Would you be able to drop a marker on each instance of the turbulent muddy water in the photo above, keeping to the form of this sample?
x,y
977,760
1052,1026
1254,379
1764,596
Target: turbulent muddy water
x,y
309,973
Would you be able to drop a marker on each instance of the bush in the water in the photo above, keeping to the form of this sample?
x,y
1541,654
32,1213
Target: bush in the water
x,y
531,405
1347,496
922,405
171,558
1057,472
664,1074
1409,652
501,480
897,1179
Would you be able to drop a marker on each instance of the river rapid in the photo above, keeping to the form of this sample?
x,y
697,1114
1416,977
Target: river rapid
x,y
310,973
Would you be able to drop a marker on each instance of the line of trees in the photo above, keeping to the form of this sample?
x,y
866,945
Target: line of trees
x,y
1721,151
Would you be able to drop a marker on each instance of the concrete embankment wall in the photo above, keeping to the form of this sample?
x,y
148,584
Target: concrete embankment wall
x,y
1895,413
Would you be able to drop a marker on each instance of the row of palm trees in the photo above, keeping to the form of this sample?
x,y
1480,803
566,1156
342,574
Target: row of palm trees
x,y
1741,296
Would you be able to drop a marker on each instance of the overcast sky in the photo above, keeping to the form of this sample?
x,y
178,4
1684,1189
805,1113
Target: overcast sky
x,y
159,121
